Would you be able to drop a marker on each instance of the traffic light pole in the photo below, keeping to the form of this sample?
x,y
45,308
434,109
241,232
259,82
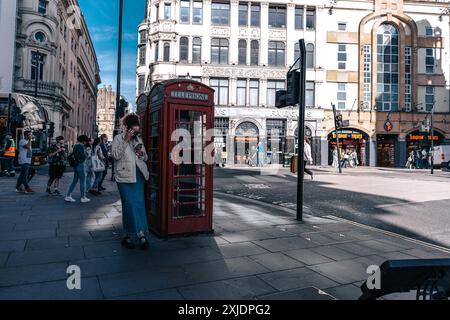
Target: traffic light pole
x,y
337,138
432,140
301,131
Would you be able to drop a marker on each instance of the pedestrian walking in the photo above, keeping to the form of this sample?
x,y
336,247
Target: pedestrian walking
x,y
57,158
88,165
307,157
130,174
354,157
260,151
8,153
25,155
345,160
335,163
76,160
104,148
418,159
425,162
98,166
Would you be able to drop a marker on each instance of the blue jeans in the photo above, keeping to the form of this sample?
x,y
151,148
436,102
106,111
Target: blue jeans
x,y
89,175
78,174
98,178
23,177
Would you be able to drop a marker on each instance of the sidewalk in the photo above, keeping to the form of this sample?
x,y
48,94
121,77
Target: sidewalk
x,y
258,252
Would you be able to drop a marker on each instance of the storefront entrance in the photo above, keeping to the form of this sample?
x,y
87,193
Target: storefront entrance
x,y
245,144
350,140
417,140
386,150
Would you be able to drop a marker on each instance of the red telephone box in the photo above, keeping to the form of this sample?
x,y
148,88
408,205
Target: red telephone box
x,y
179,196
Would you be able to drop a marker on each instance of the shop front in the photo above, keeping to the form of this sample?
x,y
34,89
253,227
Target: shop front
x,y
387,146
418,140
350,140
245,144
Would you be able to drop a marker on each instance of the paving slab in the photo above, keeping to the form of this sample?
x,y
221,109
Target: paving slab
x,y
310,293
15,276
281,244
34,257
276,261
308,257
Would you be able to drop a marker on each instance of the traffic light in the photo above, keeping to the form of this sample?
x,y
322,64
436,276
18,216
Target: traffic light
x,y
339,121
291,95
51,129
123,105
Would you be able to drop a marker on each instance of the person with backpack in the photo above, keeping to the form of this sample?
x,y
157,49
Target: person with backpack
x,y
25,155
76,160
57,157
88,165
98,166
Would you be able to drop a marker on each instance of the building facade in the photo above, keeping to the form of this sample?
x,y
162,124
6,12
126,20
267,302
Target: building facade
x,y
106,111
68,72
8,10
383,63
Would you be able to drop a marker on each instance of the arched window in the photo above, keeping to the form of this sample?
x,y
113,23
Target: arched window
x,y
388,68
166,55
196,50
254,53
242,59
310,55
184,49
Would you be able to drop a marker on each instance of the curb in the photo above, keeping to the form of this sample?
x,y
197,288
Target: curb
x,y
392,234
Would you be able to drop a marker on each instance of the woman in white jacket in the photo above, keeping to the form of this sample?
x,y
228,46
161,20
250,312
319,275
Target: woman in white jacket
x,y
307,157
130,174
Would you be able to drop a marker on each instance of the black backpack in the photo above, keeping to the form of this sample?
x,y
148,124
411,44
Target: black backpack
x,y
72,160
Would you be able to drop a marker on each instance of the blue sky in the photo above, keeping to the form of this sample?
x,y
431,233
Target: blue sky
x,y
102,20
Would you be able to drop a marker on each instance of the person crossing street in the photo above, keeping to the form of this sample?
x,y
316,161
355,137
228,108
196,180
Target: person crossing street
x,y
25,155
57,158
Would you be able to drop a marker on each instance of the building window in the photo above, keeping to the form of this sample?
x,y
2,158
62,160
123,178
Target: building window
x,y
272,87
429,98
367,77
254,93
310,18
277,53
220,14
37,59
310,94
342,56
429,31
241,99
310,55
167,11
197,12
277,17
142,55
254,53
387,68
242,56
166,53
299,11
297,55
185,11
141,84
341,95
196,50
342,26
143,37
221,91
429,60
243,15
42,6
156,51
184,49
408,79
255,15
219,51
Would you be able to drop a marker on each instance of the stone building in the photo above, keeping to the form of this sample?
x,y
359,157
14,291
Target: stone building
x,y
383,63
68,70
106,110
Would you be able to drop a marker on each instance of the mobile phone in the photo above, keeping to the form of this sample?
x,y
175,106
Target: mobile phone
x,y
138,147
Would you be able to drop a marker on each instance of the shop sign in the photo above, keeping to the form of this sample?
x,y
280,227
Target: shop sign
x,y
388,126
422,137
354,136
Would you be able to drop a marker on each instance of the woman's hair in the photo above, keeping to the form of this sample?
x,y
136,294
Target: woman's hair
x,y
307,140
96,142
131,120
83,138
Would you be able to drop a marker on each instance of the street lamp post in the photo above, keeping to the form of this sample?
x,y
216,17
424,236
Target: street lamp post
x,y
432,139
119,76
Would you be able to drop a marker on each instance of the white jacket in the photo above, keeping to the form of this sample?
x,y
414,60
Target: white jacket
x,y
126,160
307,156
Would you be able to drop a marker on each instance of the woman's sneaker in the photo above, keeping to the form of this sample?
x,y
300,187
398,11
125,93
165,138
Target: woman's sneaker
x,y
85,200
70,199
127,243
143,243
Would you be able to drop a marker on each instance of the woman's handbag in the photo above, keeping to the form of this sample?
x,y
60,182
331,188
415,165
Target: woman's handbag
x,y
97,164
